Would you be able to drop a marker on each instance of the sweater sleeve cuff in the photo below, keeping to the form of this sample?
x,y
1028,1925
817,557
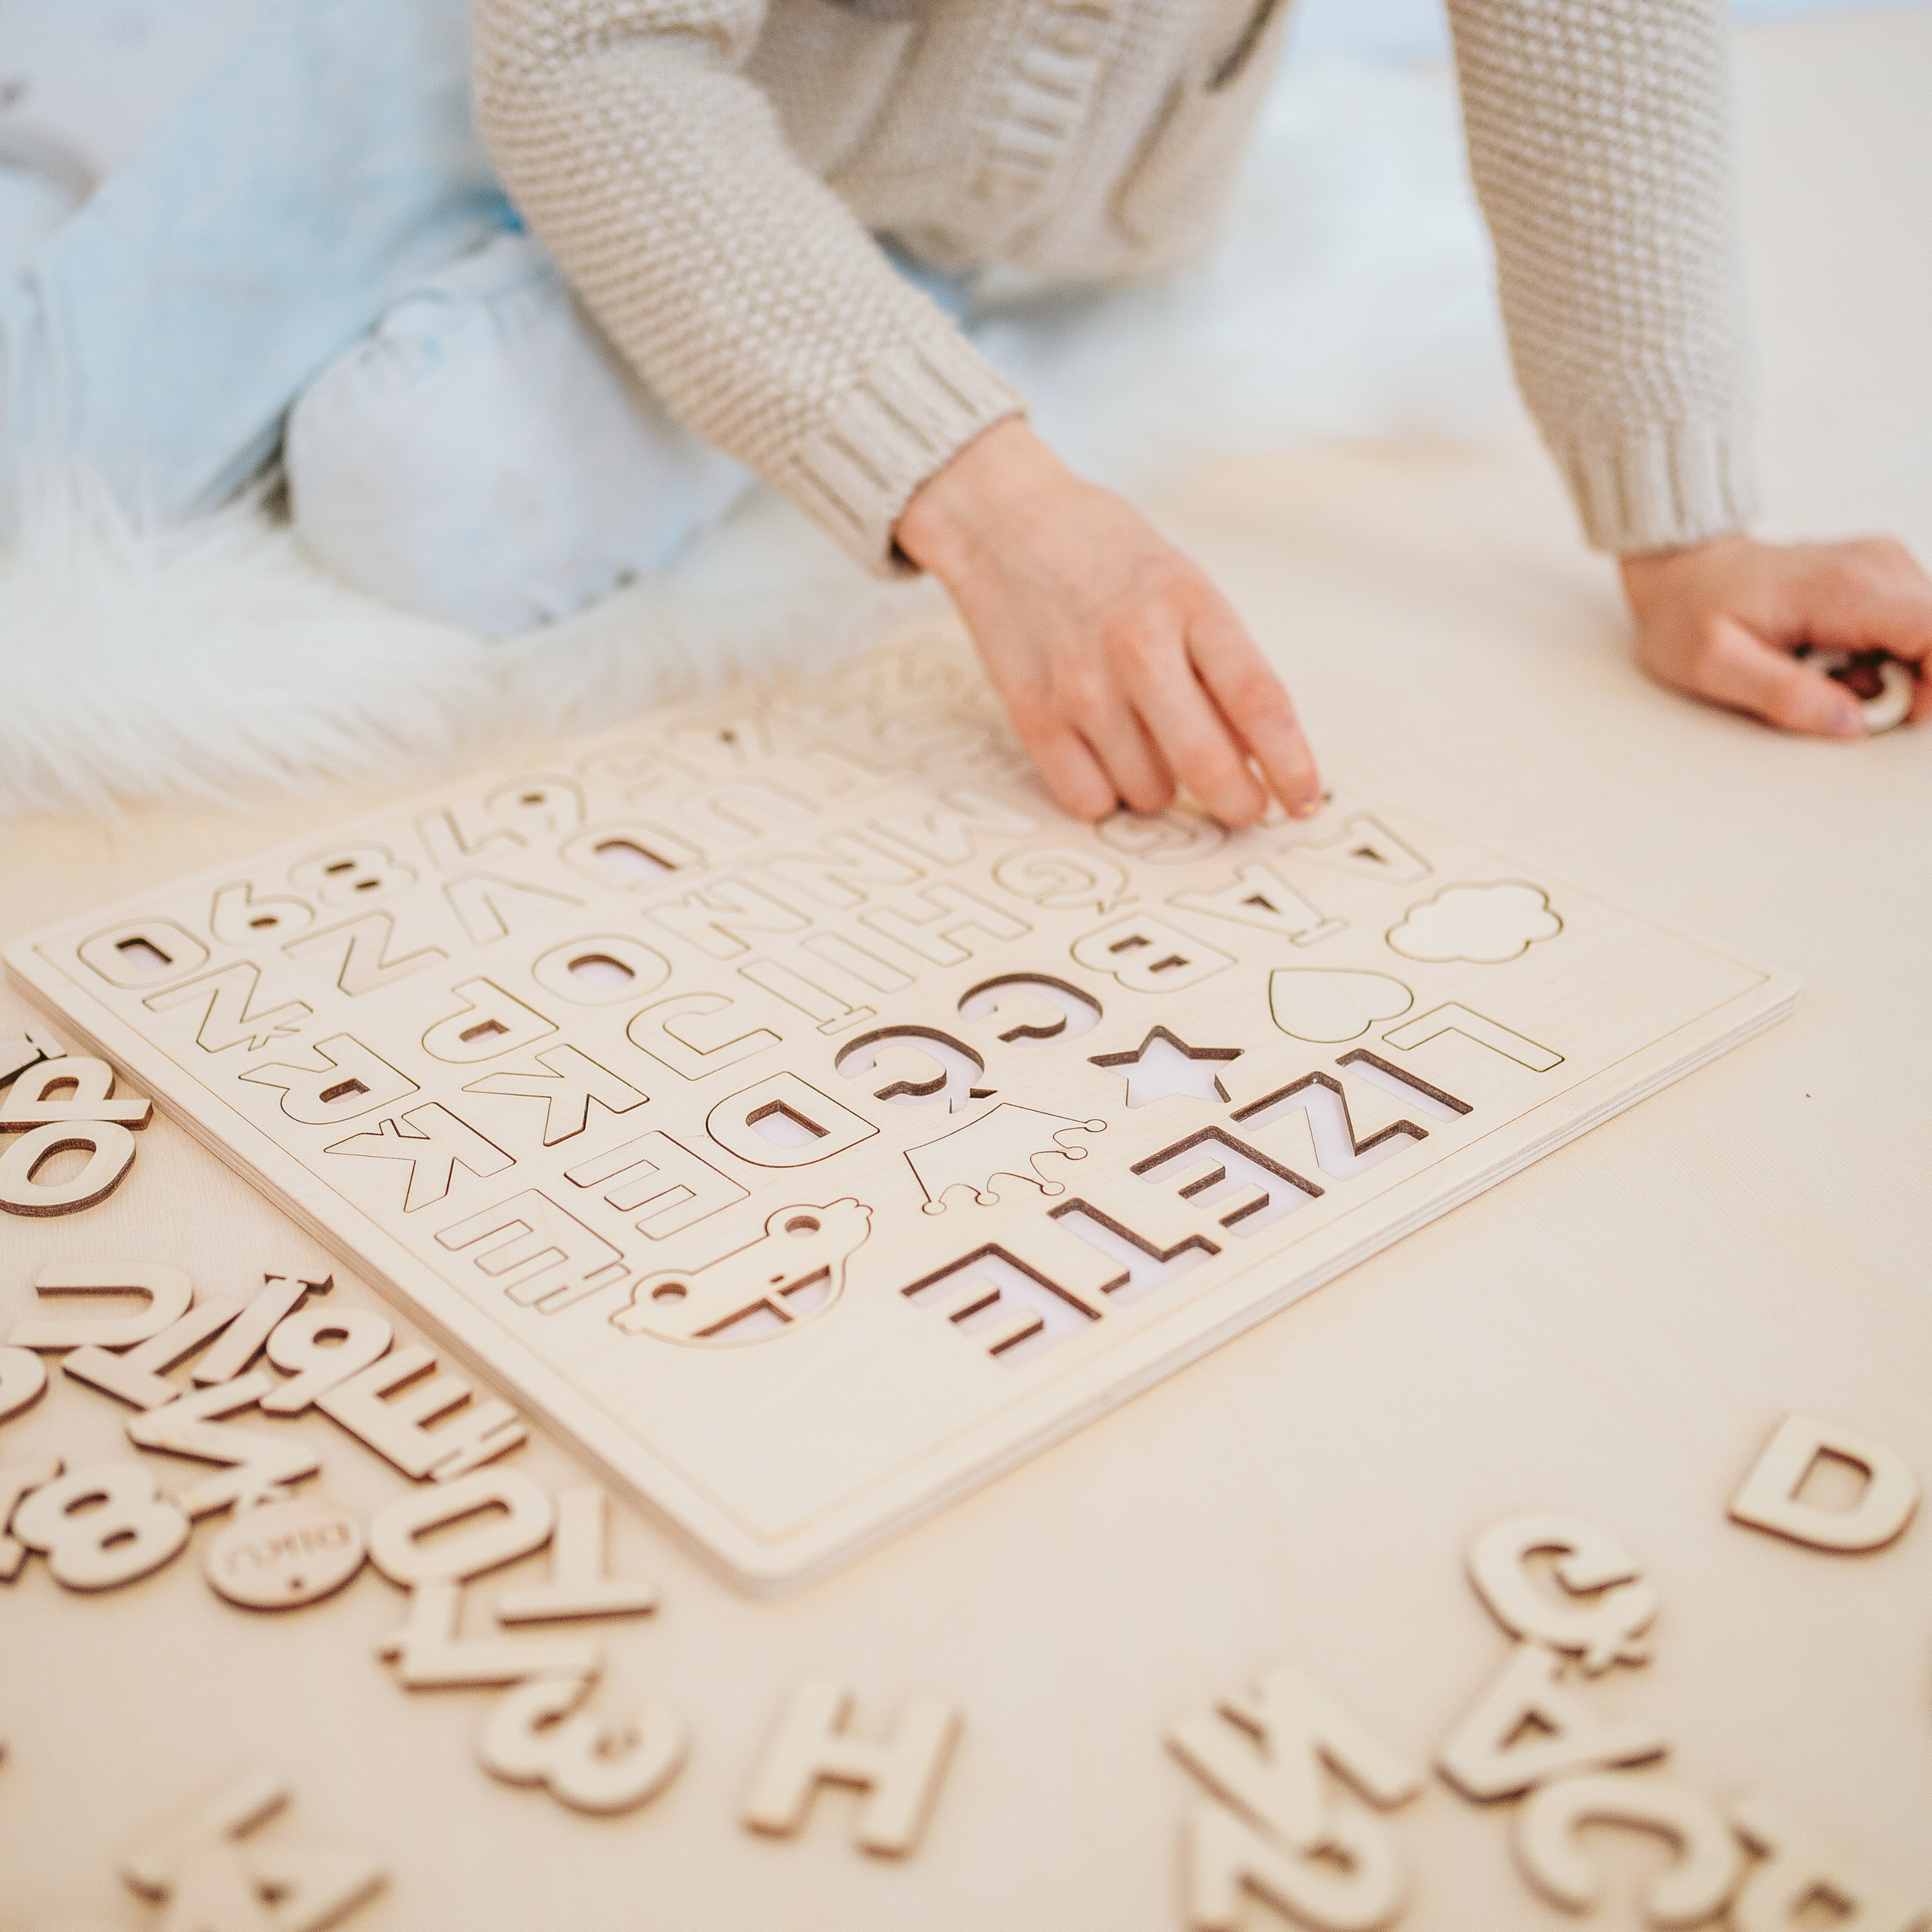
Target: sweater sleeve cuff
x,y
1662,489
913,408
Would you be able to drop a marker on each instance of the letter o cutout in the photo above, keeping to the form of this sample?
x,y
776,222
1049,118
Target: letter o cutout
x,y
601,970
110,1153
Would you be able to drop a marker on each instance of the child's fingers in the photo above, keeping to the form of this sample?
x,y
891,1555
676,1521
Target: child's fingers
x,y
1243,684
1099,713
1072,773
1875,597
1191,735
1737,668
1894,616
1872,596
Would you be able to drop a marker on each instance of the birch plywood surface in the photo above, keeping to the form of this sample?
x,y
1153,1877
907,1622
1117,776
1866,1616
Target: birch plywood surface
x,y
1614,1335
809,1120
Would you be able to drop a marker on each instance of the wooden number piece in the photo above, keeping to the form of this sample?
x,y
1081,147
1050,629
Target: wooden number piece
x,y
537,1735
39,1098
1799,1871
1605,1602
577,1586
1529,1694
900,1775
1772,1496
1457,1019
16,1479
101,1526
110,1150
1702,1877
23,1379
320,1348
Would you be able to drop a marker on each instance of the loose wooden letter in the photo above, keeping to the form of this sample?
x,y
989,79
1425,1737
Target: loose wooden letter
x,y
524,1523
30,1101
168,1289
109,1149
900,1776
139,1376
1800,1871
1610,1601
1266,1751
1769,1498
578,1586
1353,1889
23,1375
1482,1762
397,1425
258,1464
1265,1754
1702,1876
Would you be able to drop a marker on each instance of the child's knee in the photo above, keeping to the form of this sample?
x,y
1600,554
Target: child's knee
x,y
481,456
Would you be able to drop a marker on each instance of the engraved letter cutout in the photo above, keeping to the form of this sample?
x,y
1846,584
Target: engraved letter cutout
x,y
1148,956
673,1185
436,1144
783,1122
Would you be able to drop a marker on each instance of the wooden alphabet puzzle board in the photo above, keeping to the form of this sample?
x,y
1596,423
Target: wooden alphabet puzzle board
x,y
783,1099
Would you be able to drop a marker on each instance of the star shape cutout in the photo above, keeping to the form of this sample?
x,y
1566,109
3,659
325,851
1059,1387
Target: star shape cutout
x,y
1164,1066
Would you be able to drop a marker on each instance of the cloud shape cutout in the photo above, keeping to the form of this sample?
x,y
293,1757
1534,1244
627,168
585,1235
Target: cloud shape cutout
x,y
1332,1004
1483,925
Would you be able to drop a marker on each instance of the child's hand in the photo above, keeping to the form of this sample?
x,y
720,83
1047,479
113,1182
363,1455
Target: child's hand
x,y
1720,622
1125,671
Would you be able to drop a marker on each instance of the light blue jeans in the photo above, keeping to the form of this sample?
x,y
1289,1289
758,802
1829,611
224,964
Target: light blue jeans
x,y
319,229
327,163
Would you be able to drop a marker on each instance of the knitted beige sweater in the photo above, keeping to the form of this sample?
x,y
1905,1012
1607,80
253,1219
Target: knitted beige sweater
x,y
709,174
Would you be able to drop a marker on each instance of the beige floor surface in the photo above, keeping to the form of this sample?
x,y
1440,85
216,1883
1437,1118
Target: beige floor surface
x,y
1612,1332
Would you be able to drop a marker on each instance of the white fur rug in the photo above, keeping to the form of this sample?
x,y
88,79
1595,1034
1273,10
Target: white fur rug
x,y
1351,300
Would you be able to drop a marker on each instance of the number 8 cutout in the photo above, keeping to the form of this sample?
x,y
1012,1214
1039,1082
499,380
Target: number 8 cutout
x,y
135,1528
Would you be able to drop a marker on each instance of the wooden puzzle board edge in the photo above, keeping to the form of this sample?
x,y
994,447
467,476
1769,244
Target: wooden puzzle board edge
x,y
1034,1408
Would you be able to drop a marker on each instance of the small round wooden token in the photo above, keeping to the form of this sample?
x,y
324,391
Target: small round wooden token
x,y
281,1554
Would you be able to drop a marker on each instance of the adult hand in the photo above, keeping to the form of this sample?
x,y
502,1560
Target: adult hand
x,y
1125,671
1721,622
